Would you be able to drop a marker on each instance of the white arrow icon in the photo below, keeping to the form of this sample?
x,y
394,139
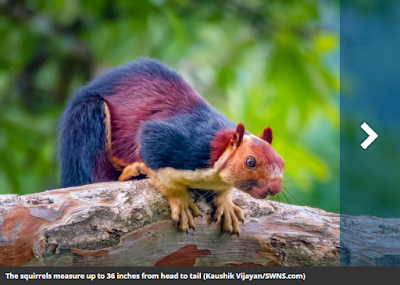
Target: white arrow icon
x,y
371,133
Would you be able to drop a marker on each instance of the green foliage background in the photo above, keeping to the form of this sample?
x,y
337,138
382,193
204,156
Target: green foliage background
x,y
260,62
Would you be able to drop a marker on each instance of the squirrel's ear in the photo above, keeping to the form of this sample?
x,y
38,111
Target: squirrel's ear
x,y
267,135
237,138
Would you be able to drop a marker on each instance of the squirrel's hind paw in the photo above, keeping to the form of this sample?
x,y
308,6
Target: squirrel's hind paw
x,y
133,170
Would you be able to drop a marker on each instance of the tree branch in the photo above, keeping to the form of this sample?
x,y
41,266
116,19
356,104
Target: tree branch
x,y
128,224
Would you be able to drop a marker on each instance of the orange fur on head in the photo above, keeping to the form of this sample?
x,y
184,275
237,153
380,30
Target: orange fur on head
x,y
253,164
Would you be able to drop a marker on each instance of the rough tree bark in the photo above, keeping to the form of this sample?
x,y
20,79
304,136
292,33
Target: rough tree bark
x,y
369,241
128,224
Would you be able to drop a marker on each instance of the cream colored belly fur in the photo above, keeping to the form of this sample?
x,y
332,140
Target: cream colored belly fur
x,y
207,179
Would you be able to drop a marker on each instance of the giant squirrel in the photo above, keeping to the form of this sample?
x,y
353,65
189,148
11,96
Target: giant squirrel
x,y
143,118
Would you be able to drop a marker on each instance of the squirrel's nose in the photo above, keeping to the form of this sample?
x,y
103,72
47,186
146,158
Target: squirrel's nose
x,y
274,186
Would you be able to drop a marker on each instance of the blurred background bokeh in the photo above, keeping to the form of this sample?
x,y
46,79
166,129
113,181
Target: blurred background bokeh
x,y
370,71
260,62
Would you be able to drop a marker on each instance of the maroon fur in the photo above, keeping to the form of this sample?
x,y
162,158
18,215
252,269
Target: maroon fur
x,y
104,170
267,135
141,98
238,137
222,140
219,144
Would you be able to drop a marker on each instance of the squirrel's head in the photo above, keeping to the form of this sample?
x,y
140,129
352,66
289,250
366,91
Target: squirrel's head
x,y
251,164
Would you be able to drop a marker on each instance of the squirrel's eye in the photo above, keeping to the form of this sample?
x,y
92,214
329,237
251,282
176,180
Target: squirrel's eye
x,y
250,162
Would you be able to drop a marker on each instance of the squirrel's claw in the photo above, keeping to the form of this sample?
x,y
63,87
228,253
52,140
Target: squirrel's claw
x,y
181,211
239,214
230,215
233,233
195,210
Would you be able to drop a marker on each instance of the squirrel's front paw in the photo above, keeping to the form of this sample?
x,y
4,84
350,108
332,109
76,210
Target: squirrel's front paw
x,y
181,211
230,214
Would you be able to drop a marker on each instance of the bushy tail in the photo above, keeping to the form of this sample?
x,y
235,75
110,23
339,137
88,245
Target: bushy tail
x,y
82,140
